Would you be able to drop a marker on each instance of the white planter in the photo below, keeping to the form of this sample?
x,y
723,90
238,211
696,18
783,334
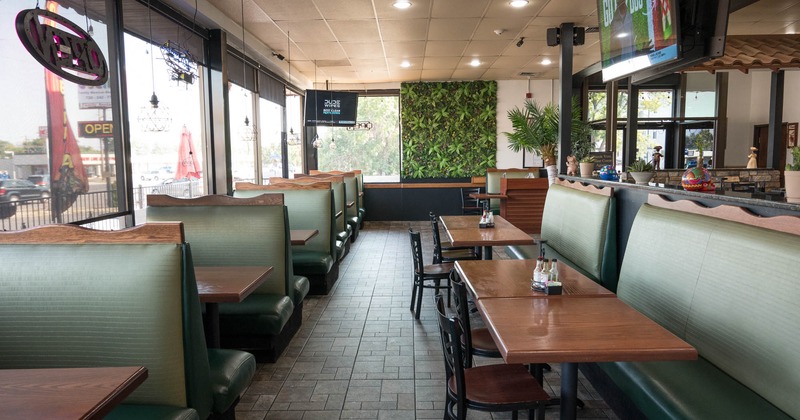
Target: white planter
x,y
792,184
586,169
642,178
552,174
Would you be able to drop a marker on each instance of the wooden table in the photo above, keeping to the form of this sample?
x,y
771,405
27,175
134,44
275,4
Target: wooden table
x,y
302,236
503,233
218,284
66,393
512,278
572,331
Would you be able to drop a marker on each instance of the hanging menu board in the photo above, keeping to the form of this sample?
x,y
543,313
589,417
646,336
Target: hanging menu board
x,y
602,159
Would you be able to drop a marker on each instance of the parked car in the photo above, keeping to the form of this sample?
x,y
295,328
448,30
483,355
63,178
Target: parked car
x,y
159,175
13,190
41,181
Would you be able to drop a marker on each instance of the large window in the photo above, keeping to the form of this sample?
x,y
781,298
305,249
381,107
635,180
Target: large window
x,y
373,146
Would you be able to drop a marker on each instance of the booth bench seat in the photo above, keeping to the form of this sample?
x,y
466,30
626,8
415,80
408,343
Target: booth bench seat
x,y
123,298
726,287
579,225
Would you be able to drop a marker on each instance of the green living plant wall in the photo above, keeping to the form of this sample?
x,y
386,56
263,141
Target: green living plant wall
x,y
449,129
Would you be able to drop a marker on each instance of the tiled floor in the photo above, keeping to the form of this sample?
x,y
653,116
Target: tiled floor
x,y
361,354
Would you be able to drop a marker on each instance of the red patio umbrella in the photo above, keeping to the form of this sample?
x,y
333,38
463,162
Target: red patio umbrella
x,y
188,162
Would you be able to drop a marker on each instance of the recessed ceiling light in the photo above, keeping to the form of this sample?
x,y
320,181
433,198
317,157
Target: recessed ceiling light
x,y
547,62
400,4
405,64
518,3
475,62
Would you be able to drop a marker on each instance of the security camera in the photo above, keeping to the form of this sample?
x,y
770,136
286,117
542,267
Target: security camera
x,y
499,31
520,42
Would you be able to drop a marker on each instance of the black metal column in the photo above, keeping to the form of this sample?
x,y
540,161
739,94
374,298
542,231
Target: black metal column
x,y
565,96
775,120
631,130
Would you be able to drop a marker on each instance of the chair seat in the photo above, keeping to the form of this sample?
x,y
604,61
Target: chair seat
x,y
438,270
231,373
500,384
483,344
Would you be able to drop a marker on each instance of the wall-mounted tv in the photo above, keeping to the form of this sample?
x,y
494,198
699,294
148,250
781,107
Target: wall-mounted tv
x,y
331,108
637,34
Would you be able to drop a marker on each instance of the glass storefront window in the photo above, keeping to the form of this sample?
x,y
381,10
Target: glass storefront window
x,y
271,128
294,121
373,148
243,152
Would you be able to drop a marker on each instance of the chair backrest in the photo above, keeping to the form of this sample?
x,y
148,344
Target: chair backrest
x,y
470,205
462,313
310,206
450,332
106,298
226,231
437,240
416,252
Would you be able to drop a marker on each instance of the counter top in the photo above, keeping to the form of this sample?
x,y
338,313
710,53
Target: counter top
x,y
744,199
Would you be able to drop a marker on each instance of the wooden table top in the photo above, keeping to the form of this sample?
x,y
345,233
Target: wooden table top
x,y
302,236
512,278
589,329
503,233
470,222
66,393
217,284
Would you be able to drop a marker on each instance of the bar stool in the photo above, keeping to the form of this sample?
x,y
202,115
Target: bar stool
x,y
492,388
424,274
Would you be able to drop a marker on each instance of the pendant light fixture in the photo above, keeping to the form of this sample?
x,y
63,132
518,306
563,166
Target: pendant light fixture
x,y
153,118
317,143
293,139
248,133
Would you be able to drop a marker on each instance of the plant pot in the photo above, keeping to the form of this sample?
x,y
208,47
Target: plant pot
x,y
642,178
586,169
552,174
792,184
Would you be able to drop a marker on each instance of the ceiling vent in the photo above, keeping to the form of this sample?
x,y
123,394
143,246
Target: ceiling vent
x,y
527,74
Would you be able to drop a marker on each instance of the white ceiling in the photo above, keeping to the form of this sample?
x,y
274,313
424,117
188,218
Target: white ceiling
x,y
365,41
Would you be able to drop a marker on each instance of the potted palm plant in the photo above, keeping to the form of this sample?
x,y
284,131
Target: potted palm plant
x,y
536,130
791,177
641,171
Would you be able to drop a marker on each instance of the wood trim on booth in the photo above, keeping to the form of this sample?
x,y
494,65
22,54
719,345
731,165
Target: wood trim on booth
x,y
782,223
249,186
161,200
590,188
421,185
158,232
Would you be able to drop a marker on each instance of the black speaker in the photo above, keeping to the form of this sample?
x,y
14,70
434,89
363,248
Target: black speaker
x,y
553,35
578,35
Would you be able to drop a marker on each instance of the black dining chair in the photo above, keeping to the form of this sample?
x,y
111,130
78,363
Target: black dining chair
x,y
492,388
476,341
452,254
470,205
426,276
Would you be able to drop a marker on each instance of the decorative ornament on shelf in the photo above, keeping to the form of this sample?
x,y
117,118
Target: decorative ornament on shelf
x,y
697,179
587,166
572,166
641,171
608,173
752,158
153,118
657,158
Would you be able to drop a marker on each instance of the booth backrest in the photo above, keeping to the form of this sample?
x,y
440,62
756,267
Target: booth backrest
x,y
339,193
493,176
727,287
233,231
310,206
357,188
579,223
100,298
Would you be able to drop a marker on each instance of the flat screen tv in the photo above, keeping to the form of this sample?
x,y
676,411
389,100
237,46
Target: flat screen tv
x,y
637,34
331,108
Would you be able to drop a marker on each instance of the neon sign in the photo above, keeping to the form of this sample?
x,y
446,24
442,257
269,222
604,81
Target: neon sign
x,y
72,55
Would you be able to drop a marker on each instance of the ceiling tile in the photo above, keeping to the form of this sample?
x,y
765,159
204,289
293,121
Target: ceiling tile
x,y
451,48
468,74
511,28
486,48
502,9
452,29
440,62
500,74
418,9
362,63
436,74
307,30
354,30
322,50
286,9
458,8
404,30
529,48
363,49
405,74
345,9
568,8
510,62
404,48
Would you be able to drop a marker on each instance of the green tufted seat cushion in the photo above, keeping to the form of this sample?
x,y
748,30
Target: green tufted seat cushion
x,y
154,412
257,314
312,262
697,280
580,229
231,372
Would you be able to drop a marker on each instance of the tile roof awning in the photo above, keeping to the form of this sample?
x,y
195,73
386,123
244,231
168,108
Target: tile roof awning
x,y
746,52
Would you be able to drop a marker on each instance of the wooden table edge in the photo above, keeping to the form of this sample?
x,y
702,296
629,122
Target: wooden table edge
x,y
119,394
244,292
304,240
